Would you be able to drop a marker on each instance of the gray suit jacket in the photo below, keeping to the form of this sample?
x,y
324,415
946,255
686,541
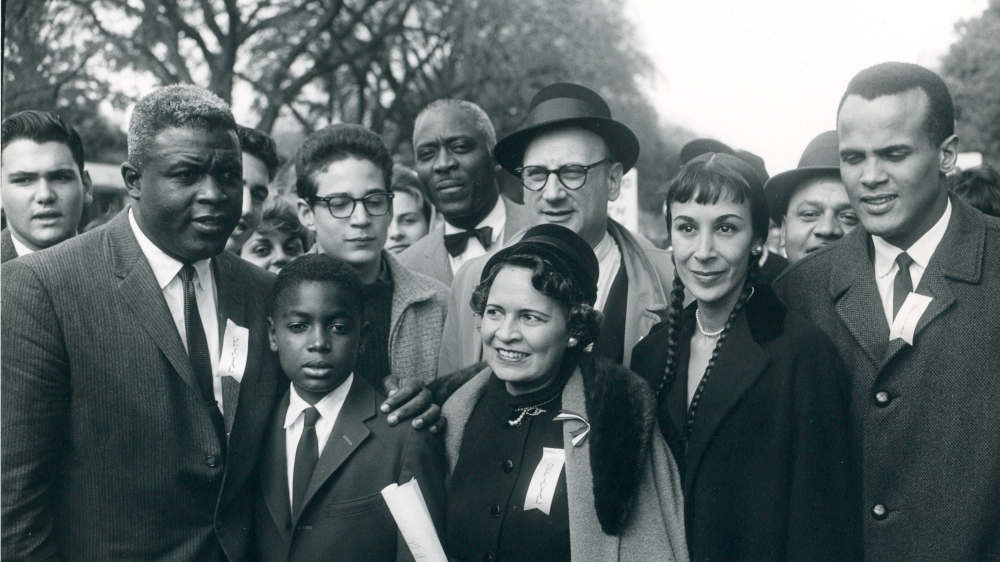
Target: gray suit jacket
x,y
109,451
428,256
930,446
7,250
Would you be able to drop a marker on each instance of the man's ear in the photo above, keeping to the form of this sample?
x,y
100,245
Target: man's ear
x,y
948,152
615,175
306,215
363,337
132,178
272,339
88,188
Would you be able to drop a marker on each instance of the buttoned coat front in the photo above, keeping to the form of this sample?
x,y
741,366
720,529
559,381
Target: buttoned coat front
x,y
927,414
109,451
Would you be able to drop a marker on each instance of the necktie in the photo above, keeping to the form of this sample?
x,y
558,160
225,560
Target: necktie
x,y
196,343
901,285
306,455
457,242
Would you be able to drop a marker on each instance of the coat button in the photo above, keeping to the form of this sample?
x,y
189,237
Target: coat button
x,y
882,398
495,510
879,511
490,557
211,461
508,465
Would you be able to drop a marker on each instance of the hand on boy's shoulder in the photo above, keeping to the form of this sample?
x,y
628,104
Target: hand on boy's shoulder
x,y
409,399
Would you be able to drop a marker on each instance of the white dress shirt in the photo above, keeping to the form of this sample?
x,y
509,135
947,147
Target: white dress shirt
x,y
921,252
167,270
609,259
495,220
20,248
329,409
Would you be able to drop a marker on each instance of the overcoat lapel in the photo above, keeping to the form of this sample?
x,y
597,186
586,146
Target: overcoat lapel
x,y
740,363
142,294
274,473
856,298
347,435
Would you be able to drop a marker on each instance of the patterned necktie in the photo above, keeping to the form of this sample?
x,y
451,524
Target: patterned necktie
x,y
457,242
197,344
901,285
306,456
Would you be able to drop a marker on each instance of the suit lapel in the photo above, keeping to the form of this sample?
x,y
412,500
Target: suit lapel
x,y
274,472
142,294
348,433
740,363
437,254
856,297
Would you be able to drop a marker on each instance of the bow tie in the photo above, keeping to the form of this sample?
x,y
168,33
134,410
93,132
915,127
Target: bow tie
x,y
456,243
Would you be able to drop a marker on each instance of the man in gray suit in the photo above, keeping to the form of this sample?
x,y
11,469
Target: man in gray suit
x,y
452,140
912,303
137,378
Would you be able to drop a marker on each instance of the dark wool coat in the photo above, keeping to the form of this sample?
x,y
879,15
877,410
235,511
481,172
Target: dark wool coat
x,y
767,473
7,249
927,415
109,451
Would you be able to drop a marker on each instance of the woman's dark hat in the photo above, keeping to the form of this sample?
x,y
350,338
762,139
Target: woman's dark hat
x,y
820,158
564,104
569,253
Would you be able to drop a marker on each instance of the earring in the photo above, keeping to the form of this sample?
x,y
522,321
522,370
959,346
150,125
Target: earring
x,y
572,342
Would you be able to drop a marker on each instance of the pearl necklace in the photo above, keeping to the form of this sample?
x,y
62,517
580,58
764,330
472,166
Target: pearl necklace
x,y
703,331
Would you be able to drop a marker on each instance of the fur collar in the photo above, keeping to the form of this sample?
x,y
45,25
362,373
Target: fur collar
x,y
622,416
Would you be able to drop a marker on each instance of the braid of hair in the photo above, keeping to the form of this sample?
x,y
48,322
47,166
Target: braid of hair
x,y
696,399
673,334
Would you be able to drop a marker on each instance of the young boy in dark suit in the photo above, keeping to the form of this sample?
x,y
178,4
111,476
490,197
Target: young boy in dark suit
x,y
328,452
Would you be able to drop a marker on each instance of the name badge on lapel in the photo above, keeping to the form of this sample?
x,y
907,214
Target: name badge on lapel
x,y
906,320
235,348
542,487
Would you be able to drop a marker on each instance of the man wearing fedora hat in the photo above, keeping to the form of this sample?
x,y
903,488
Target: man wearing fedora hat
x,y
810,203
570,155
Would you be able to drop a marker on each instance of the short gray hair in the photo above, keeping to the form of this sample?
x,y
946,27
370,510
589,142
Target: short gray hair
x,y
178,105
480,119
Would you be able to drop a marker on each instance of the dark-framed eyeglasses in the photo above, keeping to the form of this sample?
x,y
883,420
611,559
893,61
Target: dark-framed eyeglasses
x,y
571,176
342,206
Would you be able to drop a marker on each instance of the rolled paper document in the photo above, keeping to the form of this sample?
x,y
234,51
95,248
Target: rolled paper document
x,y
413,519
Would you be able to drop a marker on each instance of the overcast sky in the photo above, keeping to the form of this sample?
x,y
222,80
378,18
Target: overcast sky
x,y
766,75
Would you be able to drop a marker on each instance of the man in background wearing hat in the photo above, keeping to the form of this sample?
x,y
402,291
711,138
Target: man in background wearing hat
x,y
571,155
452,144
810,202
912,304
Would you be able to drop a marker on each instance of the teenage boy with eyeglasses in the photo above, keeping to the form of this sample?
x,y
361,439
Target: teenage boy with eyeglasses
x,y
343,184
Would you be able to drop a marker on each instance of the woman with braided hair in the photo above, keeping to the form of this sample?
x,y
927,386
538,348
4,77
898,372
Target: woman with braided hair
x,y
751,398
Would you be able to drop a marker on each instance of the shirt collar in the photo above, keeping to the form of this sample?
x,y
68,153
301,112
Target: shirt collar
x,y
20,248
165,268
494,220
328,406
604,247
921,250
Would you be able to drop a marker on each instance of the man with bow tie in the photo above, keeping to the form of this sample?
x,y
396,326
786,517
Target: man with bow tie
x,y
452,140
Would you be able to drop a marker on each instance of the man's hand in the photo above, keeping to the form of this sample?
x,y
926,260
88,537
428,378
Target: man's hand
x,y
411,399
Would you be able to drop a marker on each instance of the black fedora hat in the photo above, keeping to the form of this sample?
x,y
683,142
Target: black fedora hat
x,y
820,158
566,104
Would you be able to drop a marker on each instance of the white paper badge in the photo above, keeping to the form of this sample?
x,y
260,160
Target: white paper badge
x,y
906,320
235,346
543,482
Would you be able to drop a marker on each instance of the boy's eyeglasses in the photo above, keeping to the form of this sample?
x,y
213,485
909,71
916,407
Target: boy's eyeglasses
x,y
342,206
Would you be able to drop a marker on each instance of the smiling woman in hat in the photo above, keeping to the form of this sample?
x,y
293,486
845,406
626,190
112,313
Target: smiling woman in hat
x,y
751,398
563,459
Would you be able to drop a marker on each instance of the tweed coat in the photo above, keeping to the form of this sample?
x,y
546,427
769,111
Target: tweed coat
x,y
344,516
7,250
767,472
650,272
416,320
927,415
109,451
622,484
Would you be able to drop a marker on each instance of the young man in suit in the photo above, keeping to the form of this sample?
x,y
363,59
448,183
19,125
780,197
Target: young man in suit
x,y
912,303
328,453
44,186
129,428
452,140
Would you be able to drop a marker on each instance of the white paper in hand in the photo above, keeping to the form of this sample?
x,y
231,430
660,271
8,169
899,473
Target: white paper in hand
x,y
408,508
235,346
905,322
